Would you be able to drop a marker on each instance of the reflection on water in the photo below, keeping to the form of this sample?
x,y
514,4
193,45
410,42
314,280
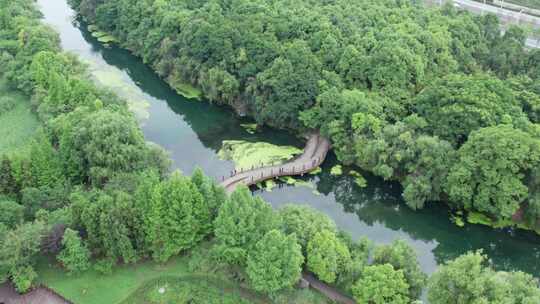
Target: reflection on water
x,y
193,132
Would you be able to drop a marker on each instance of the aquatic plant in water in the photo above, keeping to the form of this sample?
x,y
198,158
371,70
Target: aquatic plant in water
x,y
336,170
246,155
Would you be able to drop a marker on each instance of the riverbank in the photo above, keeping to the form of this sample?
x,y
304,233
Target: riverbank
x,y
492,224
376,211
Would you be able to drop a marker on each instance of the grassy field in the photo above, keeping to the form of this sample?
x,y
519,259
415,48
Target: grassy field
x,y
189,289
192,278
17,122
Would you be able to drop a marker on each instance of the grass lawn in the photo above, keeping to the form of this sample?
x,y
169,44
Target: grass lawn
x,y
17,122
192,278
193,290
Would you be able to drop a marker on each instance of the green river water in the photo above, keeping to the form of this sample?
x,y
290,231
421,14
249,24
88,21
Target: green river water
x,y
193,133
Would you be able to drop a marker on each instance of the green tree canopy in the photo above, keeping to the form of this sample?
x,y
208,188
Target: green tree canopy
x,y
401,256
327,256
18,252
381,284
304,222
469,279
110,221
11,213
456,105
74,256
99,144
275,262
491,171
177,217
242,221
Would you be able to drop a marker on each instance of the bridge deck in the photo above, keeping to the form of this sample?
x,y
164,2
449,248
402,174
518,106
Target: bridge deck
x,y
314,154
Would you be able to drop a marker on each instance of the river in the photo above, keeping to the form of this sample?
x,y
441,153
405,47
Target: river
x,y
193,131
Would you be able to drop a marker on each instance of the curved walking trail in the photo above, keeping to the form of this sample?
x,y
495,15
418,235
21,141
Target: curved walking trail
x,y
330,292
314,154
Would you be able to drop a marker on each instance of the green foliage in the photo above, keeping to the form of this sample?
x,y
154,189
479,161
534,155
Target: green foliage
x,y
402,257
469,279
111,221
18,251
177,217
43,198
213,196
400,151
45,165
275,262
304,222
395,86
381,284
8,182
23,278
7,104
74,257
360,254
100,144
332,114
456,105
104,266
327,256
17,120
241,222
490,173
11,213
282,60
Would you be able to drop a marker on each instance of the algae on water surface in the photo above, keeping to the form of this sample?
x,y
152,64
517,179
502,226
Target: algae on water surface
x,y
336,170
246,155
114,80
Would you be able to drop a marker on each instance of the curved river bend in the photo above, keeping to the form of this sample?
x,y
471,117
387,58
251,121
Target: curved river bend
x,y
193,133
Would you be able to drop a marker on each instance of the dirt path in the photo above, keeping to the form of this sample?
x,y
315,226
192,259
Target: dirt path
x,y
330,292
314,154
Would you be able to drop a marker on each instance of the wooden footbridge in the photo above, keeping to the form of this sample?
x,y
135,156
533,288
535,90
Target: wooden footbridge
x,y
314,154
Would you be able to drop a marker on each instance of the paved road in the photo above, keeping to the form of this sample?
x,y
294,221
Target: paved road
x,y
40,295
314,154
506,16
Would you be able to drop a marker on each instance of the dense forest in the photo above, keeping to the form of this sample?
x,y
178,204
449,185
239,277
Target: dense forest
x,y
439,100
92,193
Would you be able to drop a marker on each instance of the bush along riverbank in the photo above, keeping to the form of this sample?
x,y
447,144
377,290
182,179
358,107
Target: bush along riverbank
x,y
446,104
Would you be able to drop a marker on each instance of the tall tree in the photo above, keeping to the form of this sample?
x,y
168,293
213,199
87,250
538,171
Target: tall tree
x,y
490,173
327,256
18,252
75,256
381,284
275,262
469,279
304,222
242,221
402,257
175,217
